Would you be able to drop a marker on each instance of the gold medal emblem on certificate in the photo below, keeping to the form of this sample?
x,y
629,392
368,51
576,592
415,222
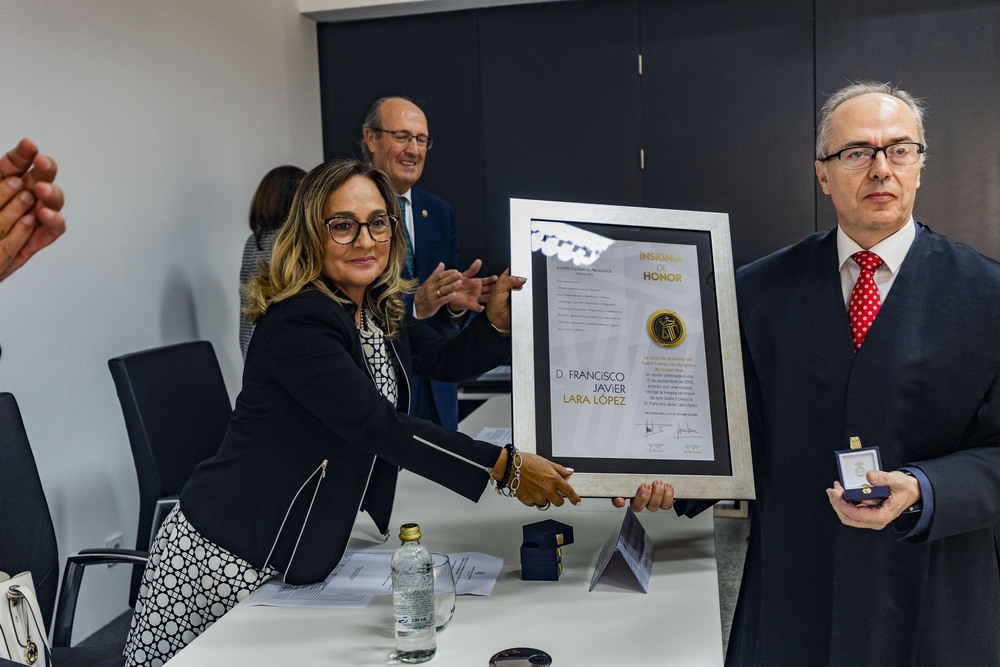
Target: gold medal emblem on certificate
x,y
667,328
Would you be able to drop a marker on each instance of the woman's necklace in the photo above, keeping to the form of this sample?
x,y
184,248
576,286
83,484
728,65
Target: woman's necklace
x,y
364,319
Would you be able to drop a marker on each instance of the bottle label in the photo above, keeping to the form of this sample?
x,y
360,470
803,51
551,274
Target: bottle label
x,y
414,609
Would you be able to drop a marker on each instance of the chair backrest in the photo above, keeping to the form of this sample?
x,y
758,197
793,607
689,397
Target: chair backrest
x,y
176,410
27,538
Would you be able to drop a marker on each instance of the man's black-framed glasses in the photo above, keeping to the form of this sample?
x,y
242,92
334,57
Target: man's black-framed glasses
x,y
344,230
861,157
404,137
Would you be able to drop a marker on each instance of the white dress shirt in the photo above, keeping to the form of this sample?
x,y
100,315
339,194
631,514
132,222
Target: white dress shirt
x,y
891,249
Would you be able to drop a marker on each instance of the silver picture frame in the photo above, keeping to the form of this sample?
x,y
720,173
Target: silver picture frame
x,y
550,235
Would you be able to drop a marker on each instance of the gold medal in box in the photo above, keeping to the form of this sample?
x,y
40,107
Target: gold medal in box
x,y
854,464
666,328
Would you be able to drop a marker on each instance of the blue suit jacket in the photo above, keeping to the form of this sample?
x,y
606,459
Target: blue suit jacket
x,y
925,388
436,240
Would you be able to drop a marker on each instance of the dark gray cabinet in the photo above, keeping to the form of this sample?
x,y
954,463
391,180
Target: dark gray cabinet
x,y
727,116
947,52
546,101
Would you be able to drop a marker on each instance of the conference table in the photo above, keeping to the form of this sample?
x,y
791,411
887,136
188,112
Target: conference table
x,y
676,623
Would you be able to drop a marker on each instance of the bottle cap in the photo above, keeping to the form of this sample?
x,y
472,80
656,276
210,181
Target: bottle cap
x,y
409,532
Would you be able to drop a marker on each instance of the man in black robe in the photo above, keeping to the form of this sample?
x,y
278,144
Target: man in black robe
x,y
911,364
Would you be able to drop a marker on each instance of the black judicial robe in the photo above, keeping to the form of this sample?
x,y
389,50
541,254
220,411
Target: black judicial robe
x,y
925,388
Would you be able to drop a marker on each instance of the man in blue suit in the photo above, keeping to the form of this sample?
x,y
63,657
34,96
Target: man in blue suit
x,y
881,329
396,141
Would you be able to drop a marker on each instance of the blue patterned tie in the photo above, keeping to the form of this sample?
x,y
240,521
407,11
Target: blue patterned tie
x,y
406,236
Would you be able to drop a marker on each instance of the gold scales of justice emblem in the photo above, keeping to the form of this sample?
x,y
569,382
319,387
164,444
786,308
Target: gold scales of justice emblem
x,y
666,328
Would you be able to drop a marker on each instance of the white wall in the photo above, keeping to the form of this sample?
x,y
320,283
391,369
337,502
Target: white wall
x,y
163,117
352,10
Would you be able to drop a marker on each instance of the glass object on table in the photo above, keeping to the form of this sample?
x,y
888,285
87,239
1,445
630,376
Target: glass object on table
x,y
444,590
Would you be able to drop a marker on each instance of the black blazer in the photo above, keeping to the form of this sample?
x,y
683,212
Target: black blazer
x,y
307,397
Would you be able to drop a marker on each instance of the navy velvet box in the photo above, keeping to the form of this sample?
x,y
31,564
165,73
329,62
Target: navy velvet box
x,y
853,465
541,567
866,493
535,554
541,574
548,533
541,550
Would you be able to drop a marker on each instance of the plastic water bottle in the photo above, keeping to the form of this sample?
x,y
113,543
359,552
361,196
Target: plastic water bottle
x,y
413,598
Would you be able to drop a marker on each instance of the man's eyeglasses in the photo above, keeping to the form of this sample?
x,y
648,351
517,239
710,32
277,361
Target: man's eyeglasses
x,y
344,230
861,157
404,137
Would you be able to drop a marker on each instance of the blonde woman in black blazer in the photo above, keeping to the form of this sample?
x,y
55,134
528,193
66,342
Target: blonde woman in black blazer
x,y
320,427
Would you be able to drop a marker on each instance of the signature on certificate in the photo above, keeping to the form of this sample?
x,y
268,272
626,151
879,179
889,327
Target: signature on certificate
x,y
652,429
655,432
685,430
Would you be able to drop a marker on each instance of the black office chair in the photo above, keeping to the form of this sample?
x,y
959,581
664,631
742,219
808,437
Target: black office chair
x,y
176,410
28,542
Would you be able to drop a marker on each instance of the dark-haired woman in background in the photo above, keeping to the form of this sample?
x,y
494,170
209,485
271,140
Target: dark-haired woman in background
x,y
268,210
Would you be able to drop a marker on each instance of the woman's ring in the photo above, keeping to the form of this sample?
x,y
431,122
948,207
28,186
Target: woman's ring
x,y
544,507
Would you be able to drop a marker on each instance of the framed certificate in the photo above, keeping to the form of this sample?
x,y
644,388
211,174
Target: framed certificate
x,y
626,351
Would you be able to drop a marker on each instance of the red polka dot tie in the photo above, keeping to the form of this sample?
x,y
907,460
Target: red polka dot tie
x,y
865,301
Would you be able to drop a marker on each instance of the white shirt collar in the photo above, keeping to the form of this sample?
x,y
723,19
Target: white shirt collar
x,y
891,249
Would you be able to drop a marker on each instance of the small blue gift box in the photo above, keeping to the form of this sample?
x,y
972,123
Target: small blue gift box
x,y
548,533
536,554
854,464
541,568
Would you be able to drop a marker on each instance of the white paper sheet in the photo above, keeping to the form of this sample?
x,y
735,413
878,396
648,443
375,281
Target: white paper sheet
x,y
627,362
496,435
361,575
475,573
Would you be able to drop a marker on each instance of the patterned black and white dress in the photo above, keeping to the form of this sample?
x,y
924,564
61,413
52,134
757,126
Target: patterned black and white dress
x,y
190,582
381,364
